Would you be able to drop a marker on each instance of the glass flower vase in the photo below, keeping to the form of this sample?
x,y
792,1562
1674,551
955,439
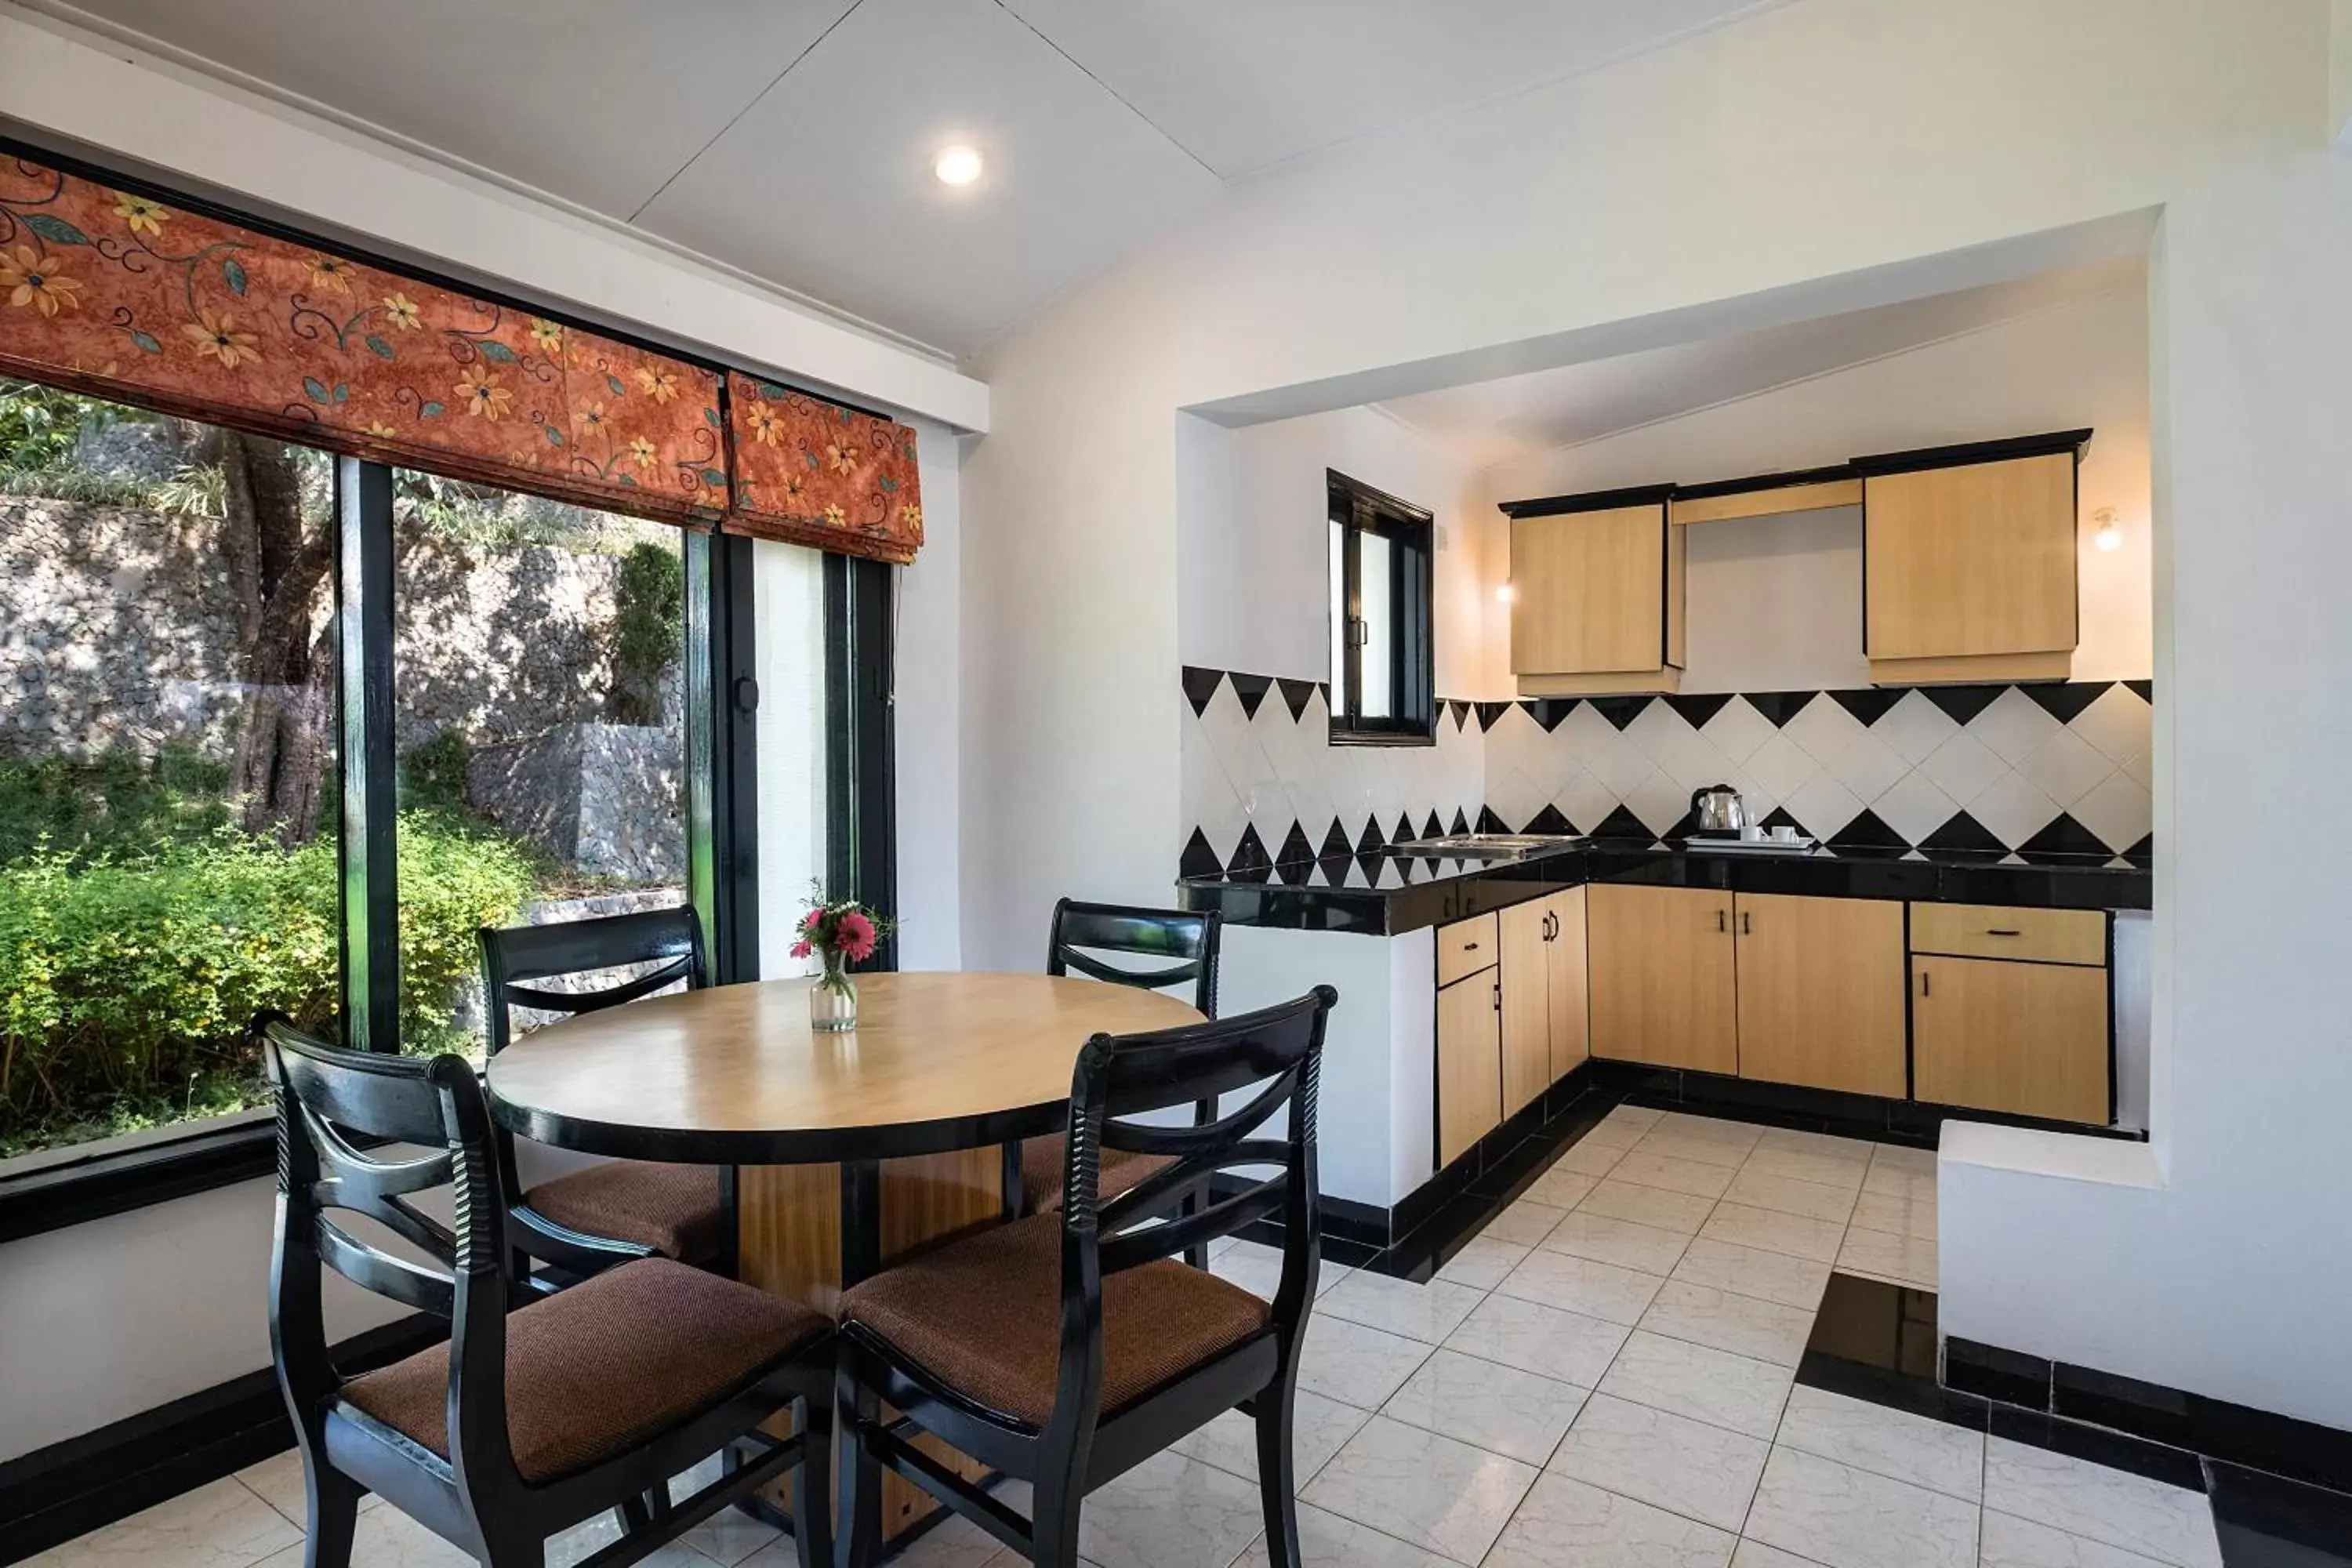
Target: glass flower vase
x,y
833,1000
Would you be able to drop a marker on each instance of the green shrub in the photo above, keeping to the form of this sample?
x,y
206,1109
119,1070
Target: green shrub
x,y
117,803
126,980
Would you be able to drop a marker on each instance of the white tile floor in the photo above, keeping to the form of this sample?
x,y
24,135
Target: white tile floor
x,y
1603,1379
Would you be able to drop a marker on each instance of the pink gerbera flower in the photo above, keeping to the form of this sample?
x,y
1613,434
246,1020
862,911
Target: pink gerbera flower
x,y
802,950
854,934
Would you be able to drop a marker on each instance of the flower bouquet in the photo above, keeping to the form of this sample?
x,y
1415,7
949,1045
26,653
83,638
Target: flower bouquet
x,y
842,931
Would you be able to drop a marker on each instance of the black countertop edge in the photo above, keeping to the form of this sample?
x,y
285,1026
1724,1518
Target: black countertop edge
x,y
1306,897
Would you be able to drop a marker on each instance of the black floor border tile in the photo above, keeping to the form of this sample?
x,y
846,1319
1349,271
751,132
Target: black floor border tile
x,y
2236,1434
2098,1446
2263,1520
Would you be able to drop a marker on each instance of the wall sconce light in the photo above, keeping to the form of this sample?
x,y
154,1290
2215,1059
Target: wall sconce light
x,y
1506,594
2111,534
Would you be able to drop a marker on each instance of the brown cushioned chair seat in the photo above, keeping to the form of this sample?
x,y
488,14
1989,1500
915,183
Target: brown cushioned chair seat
x,y
984,1316
674,1209
612,1362
1041,1172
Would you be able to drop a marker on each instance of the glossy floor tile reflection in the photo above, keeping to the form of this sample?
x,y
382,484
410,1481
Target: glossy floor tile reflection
x,y
1609,1376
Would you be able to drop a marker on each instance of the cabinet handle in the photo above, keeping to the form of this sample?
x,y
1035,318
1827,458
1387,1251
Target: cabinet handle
x,y
1746,927
1720,921
1498,997
1923,984
1469,947
1996,931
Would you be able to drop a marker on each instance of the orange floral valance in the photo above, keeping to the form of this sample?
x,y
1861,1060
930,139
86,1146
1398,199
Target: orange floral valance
x,y
812,472
123,296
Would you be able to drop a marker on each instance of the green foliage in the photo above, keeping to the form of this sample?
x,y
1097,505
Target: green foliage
x,y
76,485
39,424
126,981
433,773
116,805
648,629
192,492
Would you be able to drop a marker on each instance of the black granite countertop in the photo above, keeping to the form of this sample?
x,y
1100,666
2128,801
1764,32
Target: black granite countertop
x,y
1383,895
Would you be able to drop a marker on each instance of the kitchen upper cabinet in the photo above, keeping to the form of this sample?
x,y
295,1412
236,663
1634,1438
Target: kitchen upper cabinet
x,y
2027,1039
1820,992
1567,993
1469,1063
1664,977
1968,570
1599,598
1527,1004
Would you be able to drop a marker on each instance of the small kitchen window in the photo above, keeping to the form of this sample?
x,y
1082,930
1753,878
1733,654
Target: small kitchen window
x,y
1383,676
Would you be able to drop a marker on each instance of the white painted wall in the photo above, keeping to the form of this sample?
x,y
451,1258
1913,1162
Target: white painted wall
x,y
1776,603
102,1320
1253,547
927,717
1815,156
2221,1270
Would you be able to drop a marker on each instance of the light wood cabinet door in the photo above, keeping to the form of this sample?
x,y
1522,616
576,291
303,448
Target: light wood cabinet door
x,y
1592,592
1820,992
1469,1064
1527,1004
1970,561
2027,1039
1662,977
1571,1021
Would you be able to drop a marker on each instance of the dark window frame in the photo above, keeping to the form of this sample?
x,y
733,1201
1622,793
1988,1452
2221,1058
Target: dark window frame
x,y
1359,509
722,824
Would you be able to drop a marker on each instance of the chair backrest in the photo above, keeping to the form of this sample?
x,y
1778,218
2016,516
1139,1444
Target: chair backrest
x,y
365,1132
670,939
1120,1078
1184,942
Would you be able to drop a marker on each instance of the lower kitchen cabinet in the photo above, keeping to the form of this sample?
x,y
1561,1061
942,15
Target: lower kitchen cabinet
x,y
1566,992
1527,1004
1820,992
1469,1063
2026,1038
1662,976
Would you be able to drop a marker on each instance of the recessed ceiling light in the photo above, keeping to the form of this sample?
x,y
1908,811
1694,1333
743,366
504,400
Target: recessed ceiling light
x,y
958,165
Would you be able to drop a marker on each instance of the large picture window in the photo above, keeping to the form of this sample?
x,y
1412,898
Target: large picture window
x,y
539,727
284,730
168,782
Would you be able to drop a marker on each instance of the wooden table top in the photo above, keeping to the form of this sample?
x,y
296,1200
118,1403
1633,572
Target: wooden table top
x,y
734,1075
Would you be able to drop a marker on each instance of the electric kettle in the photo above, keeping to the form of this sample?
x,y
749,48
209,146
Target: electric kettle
x,y
1717,809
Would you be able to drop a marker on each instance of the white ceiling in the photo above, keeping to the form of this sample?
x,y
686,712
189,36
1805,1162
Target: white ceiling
x,y
793,139
1492,422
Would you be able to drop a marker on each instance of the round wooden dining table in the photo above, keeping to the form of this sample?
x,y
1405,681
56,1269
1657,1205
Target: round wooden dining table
x,y
841,1151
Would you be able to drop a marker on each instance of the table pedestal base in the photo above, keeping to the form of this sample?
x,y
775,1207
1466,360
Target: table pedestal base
x,y
802,1229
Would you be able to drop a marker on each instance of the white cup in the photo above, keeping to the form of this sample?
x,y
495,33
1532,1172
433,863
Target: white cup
x,y
1784,834
1752,832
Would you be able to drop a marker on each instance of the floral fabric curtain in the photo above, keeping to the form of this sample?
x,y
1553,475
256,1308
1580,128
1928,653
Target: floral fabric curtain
x,y
812,472
121,295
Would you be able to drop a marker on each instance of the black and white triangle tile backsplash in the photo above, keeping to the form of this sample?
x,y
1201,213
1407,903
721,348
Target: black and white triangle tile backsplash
x,y
2032,770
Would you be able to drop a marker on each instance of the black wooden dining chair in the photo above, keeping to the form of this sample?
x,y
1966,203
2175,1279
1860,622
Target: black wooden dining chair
x,y
1069,1347
532,1417
677,1211
1180,947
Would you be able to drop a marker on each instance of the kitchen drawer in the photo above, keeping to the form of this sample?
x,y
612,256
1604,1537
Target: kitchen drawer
x,y
1989,930
1465,947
